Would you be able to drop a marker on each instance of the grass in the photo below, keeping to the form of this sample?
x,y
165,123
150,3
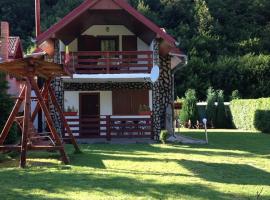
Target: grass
x,y
235,165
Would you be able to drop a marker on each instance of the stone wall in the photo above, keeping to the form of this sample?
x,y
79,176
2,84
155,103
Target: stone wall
x,y
105,86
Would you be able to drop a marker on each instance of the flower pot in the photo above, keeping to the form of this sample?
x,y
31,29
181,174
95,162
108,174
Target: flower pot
x,y
70,113
145,113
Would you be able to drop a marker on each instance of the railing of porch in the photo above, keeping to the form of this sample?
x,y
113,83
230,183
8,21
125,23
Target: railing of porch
x,y
109,62
107,126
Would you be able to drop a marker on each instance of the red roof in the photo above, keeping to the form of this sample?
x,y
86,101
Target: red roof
x,y
90,3
15,50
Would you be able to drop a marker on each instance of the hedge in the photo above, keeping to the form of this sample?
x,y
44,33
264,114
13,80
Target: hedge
x,y
252,114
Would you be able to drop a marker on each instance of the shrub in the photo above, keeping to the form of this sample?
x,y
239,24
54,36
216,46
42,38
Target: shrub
x,y
252,114
210,107
221,119
164,136
235,95
189,110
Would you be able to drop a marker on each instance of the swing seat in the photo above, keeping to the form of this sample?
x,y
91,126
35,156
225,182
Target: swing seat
x,y
35,138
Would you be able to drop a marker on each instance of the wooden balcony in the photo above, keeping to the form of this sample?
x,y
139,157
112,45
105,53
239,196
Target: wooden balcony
x,y
110,62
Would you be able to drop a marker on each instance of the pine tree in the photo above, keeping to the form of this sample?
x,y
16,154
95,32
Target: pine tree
x,y
221,120
211,107
189,111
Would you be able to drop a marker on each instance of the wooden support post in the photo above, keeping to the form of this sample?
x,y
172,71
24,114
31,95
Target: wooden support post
x,y
49,120
27,113
63,119
12,116
108,128
44,94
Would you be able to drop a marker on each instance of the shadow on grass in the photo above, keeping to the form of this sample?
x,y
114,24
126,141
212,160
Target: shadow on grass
x,y
255,143
55,183
228,173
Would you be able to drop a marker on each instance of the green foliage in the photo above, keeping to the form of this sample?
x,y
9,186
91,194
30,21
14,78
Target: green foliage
x,y
163,136
228,50
6,104
211,108
189,110
221,119
253,114
235,95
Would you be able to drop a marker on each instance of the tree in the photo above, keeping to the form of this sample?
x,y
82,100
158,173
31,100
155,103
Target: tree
x,y
6,104
189,112
211,107
221,119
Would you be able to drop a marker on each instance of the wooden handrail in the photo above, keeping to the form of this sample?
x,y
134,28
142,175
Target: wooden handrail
x,y
106,62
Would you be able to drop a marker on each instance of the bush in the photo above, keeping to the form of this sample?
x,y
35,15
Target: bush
x,y
221,119
252,114
235,95
189,110
164,136
211,107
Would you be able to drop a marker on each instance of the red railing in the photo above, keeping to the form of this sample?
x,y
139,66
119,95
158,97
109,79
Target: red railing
x,y
109,62
107,126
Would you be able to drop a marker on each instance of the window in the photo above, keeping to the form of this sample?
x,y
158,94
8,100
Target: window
x,y
127,102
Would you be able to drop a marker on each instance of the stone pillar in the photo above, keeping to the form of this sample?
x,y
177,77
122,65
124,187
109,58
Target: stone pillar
x,y
155,93
57,85
165,88
162,90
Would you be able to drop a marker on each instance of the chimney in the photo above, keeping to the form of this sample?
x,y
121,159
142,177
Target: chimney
x,y
37,17
4,40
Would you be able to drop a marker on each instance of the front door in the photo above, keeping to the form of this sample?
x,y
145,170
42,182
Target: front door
x,y
89,114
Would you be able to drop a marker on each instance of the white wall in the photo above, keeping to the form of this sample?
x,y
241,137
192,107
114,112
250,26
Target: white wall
x,y
108,30
71,99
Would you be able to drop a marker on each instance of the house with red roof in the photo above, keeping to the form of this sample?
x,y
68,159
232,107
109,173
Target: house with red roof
x,y
122,68
10,49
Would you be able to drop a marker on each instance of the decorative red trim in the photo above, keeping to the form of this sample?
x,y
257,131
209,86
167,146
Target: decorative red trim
x,y
90,3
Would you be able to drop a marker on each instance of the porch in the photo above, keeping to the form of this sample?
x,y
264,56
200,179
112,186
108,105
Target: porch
x,y
109,62
111,126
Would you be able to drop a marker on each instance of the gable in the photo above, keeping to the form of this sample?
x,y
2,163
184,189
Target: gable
x,y
99,12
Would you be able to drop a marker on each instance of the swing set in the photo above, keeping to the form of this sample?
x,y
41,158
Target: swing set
x,y
28,69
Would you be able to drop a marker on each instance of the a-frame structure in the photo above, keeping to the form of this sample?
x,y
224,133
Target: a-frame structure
x,y
28,69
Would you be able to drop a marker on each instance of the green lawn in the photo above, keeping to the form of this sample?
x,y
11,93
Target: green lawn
x,y
235,165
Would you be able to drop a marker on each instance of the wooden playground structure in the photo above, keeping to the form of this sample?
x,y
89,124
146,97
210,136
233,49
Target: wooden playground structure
x,y
28,69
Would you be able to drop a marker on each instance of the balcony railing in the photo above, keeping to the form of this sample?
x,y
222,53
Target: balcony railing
x,y
109,62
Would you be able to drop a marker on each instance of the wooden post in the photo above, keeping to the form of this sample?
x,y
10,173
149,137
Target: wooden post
x,y
107,62
63,119
152,128
12,116
49,120
108,127
27,113
44,94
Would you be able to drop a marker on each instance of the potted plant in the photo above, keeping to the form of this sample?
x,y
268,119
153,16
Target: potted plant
x,y
144,110
71,111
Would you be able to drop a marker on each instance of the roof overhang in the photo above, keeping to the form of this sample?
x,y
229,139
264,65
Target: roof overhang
x,y
104,12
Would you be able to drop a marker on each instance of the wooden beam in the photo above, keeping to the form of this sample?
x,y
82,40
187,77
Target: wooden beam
x,y
44,93
26,120
63,119
49,120
12,116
